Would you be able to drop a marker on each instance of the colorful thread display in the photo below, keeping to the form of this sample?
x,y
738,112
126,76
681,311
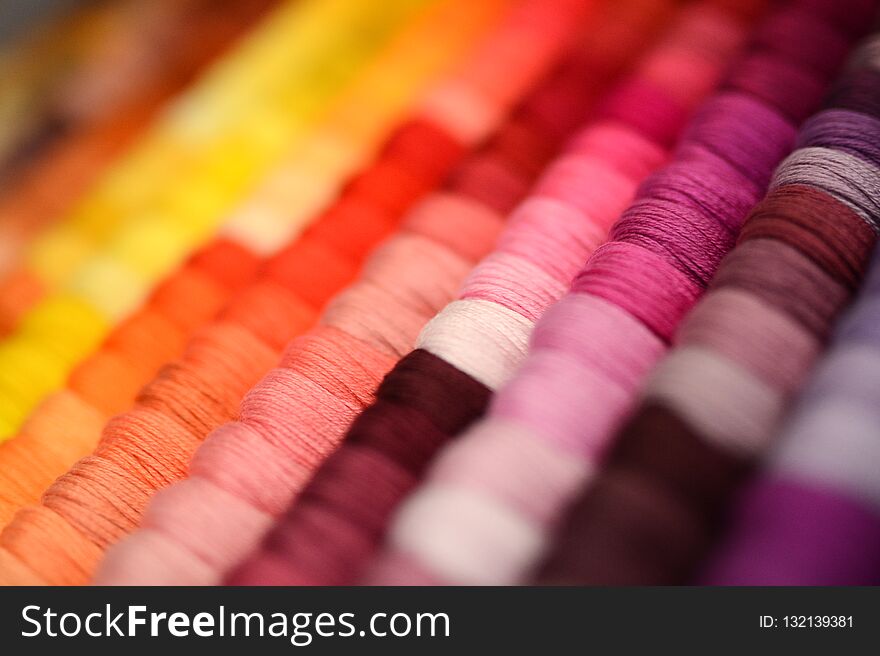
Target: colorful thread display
x,y
550,424
474,344
169,425
441,239
67,425
820,479
330,292
106,264
711,407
